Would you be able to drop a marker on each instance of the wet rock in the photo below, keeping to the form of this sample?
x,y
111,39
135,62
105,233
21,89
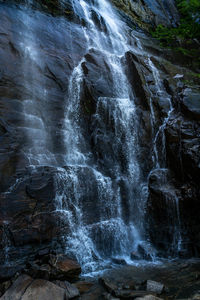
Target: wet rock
x,y
64,268
154,286
71,290
119,261
136,76
120,290
111,287
95,293
83,286
143,253
134,256
37,271
128,294
191,103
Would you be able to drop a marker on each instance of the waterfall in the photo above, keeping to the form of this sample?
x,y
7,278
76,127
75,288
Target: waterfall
x,y
100,189
160,164
38,147
103,209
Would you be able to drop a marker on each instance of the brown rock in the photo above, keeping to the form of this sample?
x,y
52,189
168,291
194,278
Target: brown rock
x,y
44,290
83,286
18,288
71,290
64,268
111,287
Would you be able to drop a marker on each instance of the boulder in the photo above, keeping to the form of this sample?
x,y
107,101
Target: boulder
x,y
39,271
111,287
41,289
154,286
64,268
18,288
83,286
71,290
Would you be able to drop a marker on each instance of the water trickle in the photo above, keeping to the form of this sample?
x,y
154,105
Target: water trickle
x,y
37,149
159,158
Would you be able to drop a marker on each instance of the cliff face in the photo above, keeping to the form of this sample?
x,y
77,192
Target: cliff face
x,y
147,14
168,136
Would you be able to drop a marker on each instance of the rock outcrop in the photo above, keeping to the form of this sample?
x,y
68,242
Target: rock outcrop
x,y
29,218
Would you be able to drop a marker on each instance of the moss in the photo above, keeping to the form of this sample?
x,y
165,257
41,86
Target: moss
x,y
185,38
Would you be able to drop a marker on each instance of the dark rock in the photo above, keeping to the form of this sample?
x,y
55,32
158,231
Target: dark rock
x,y
109,297
108,285
18,288
125,294
36,271
136,76
148,297
191,103
119,261
162,211
118,289
135,256
4,286
83,286
143,253
70,289
7,272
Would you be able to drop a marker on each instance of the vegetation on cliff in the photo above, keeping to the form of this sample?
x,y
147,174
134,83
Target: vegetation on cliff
x,y
184,38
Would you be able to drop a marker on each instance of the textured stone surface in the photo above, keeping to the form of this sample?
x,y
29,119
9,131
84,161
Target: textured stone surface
x,y
70,289
64,268
149,13
154,286
18,288
43,290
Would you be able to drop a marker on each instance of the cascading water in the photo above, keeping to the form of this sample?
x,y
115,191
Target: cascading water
x,y
37,151
116,199
100,192
160,164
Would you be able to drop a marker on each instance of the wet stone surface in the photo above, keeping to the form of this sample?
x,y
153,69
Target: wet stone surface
x,y
168,280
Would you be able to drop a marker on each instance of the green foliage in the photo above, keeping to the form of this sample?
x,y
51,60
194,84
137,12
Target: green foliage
x,y
185,37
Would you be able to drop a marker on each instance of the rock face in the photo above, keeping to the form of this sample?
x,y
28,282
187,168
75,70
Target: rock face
x,y
149,13
178,191
39,65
